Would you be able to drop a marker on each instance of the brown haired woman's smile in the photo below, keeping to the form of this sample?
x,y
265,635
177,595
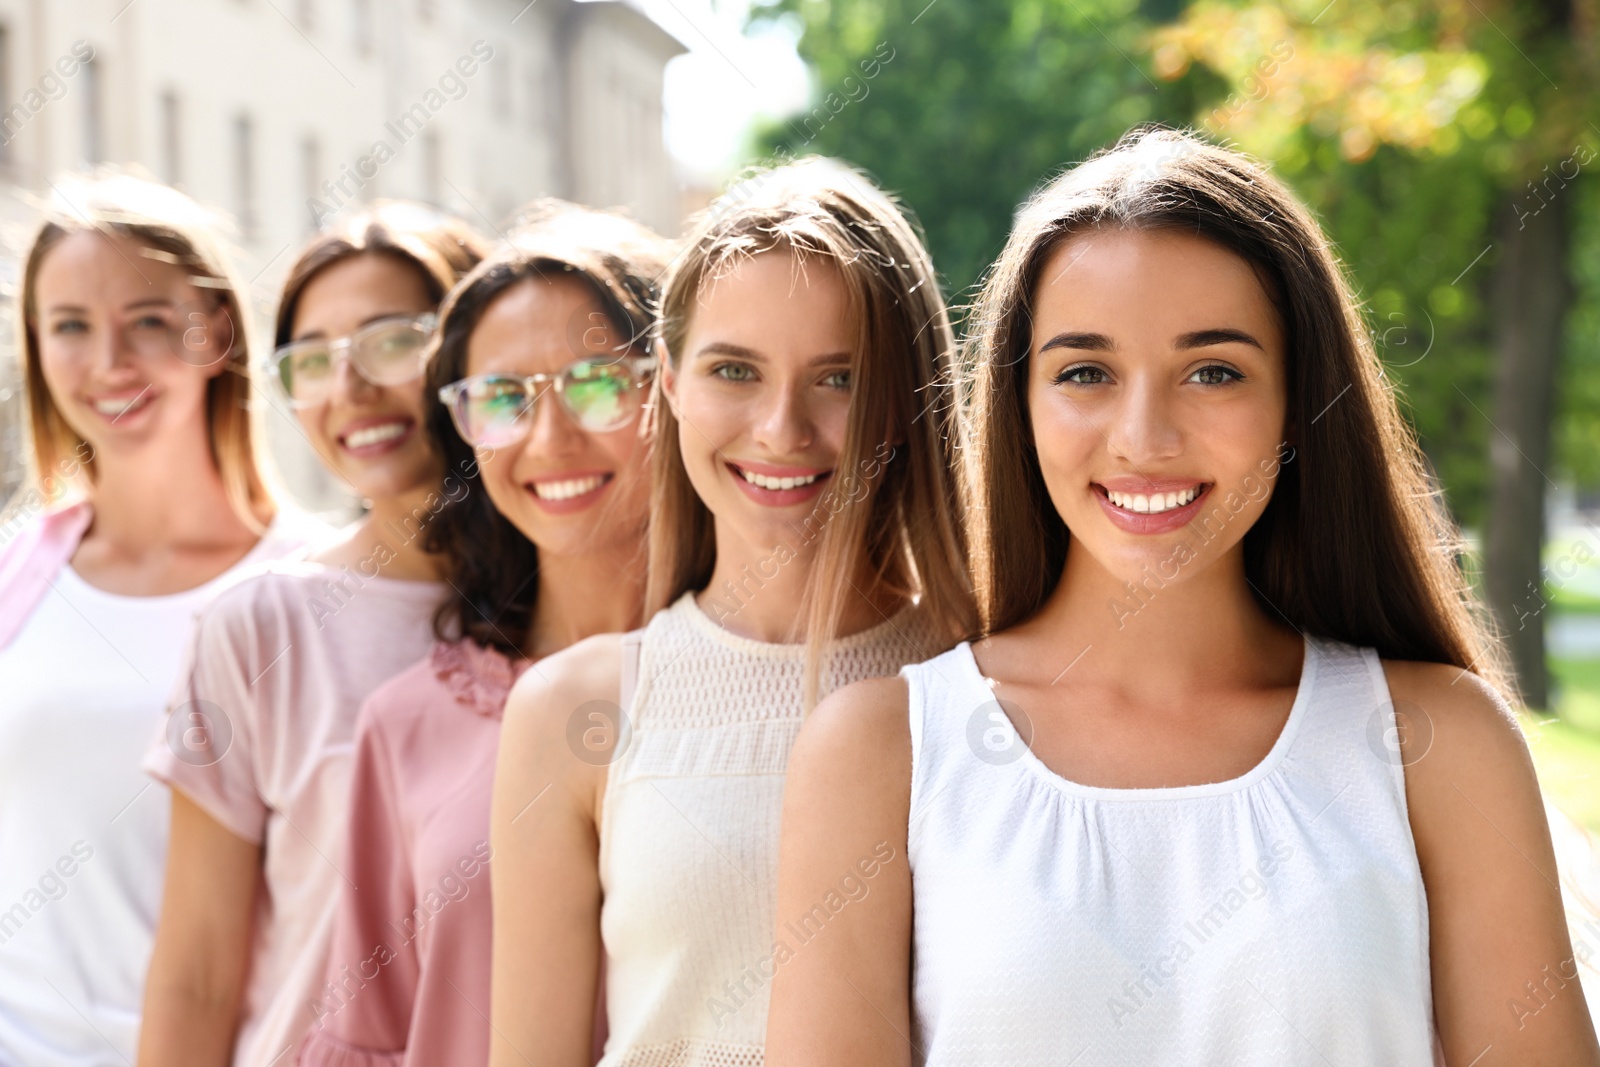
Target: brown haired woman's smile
x,y
1139,513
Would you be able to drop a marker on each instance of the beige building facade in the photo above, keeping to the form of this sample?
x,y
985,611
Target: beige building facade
x,y
282,113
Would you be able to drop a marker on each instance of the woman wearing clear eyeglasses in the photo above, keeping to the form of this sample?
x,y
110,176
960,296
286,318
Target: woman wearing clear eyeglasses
x,y
282,659
538,383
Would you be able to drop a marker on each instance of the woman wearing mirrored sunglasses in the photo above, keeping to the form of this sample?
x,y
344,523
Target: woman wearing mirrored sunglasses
x,y
538,385
284,659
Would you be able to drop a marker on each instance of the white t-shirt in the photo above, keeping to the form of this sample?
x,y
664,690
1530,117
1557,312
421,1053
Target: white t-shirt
x,y
83,831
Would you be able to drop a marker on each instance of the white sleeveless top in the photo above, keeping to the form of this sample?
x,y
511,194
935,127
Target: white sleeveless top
x,y
689,832
1276,918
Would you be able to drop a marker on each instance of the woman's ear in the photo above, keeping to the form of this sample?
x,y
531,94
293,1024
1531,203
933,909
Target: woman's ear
x,y
669,377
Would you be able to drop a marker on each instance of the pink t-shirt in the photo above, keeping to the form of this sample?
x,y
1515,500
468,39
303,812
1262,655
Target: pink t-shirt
x,y
407,980
280,665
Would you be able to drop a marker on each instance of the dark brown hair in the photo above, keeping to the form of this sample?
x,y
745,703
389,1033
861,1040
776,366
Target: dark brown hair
x,y
440,247
1355,543
900,516
490,563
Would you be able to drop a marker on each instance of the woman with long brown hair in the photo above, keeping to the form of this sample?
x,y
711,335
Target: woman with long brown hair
x,y
1228,774
282,659
537,387
146,494
802,499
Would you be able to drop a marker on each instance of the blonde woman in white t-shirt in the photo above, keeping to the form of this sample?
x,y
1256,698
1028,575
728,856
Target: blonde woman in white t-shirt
x,y
145,495
1232,778
802,500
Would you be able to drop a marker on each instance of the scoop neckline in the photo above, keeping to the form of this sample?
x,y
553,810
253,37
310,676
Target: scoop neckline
x,y
1269,763
259,554
749,645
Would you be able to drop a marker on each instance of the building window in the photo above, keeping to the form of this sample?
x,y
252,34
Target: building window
x,y
94,146
361,26
500,81
311,179
171,142
432,169
244,178
6,132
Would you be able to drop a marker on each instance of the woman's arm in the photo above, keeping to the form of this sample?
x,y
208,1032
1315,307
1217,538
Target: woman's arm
x,y
1505,987
545,867
202,946
844,997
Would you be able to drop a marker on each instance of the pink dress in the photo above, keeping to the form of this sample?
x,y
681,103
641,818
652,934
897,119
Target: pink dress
x,y
407,981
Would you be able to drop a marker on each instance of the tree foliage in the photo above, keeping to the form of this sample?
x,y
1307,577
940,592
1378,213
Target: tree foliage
x,y
1405,125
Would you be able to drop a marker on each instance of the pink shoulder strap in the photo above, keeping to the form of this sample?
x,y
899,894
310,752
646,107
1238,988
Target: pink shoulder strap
x,y
33,559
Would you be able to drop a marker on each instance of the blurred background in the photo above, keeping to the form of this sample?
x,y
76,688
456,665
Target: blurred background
x,y
1450,148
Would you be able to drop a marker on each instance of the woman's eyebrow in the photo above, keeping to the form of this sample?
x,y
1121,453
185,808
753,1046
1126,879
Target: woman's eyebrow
x,y
1093,342
723,348
1218,336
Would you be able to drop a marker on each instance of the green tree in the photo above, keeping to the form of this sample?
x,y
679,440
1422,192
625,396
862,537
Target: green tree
x,y
979,103
1488,105
1421,133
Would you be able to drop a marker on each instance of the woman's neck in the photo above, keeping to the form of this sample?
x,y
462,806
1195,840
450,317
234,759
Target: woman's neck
x,y
388,539
168,495
580,596
1159,633
758,592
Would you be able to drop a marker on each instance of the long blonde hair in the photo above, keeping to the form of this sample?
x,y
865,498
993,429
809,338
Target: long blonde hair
x,y
893,510
177,230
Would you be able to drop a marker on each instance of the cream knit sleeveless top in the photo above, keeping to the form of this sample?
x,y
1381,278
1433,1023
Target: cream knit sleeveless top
x,y
689,831
1275,918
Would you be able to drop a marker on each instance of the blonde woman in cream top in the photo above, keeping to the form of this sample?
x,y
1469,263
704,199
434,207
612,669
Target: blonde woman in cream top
x,y
803,537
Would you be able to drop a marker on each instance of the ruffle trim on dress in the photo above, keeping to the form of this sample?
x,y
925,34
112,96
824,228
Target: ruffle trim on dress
x,y
477,676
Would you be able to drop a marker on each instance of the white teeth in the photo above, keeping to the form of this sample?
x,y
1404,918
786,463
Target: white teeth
x,y
1154,504
568,489
372,435
119,407
776,483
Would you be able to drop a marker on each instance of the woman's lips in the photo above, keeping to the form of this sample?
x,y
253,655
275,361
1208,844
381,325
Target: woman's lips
x,y
1147,522
778,487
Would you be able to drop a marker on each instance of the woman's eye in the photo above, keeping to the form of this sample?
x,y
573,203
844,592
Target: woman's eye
x,y
64,326
733,372
1085,375
838,380
1215,375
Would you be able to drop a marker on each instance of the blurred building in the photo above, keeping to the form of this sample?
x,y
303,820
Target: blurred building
x,y
283,112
